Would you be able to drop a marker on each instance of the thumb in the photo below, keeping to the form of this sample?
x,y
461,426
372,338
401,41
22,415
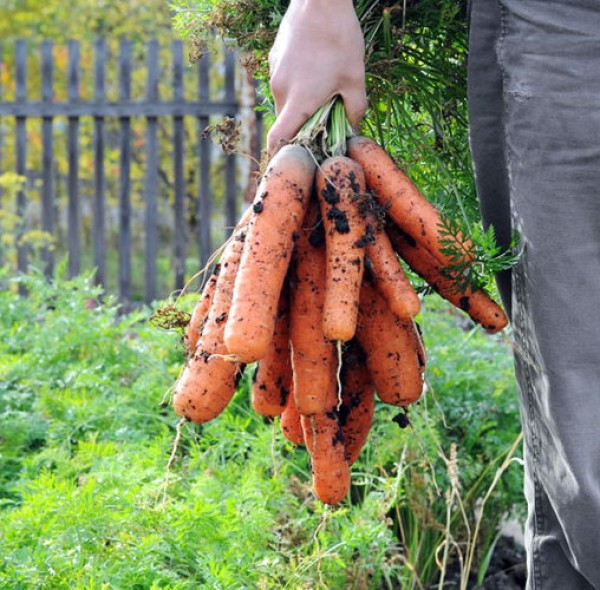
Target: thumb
x,y
286,125
356,105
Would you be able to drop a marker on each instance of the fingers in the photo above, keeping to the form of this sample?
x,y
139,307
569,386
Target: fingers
x,y
287,124
356,105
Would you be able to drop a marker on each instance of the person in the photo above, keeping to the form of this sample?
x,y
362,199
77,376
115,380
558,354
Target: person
x,y
534,105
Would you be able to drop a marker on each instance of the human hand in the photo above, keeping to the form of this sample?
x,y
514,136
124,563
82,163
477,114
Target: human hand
x,y
318,53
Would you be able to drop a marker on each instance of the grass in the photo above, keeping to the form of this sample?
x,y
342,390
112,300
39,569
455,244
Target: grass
x,y
84,444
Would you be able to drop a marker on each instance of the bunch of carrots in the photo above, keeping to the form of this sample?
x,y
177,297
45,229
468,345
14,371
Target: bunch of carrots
x,y
311,286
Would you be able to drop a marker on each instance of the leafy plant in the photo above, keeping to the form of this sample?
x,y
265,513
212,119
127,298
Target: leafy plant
x,y
416,84
84,443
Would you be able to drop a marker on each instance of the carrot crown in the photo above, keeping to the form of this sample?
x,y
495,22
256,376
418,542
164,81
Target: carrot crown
x,y
326,132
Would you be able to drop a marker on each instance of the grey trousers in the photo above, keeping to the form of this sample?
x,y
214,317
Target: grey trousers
x,y
534,93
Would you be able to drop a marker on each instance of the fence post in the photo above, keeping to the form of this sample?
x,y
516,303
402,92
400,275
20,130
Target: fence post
x,y
99,173
151,178
47,155
204,204
231,214
125,175
21,149
73,158
178,146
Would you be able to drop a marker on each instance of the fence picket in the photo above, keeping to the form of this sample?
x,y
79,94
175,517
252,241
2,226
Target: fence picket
x,y
151,177
204,203
125,175
1,148
21,149
47,155
73,159
178,170
98,206
231,214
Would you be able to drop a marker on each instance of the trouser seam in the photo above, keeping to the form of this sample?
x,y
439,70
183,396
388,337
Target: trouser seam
x,y
519,312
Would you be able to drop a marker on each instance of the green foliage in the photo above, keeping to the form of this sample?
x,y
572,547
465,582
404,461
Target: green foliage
x,y
416,84
84,444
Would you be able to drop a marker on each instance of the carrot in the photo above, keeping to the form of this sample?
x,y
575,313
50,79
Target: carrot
x,y
211,339
313,356
390,348
340,187
356,412
273,377
205,387
208,381
389,276
330,470
407,206
477,304
200,312
279,207
290,422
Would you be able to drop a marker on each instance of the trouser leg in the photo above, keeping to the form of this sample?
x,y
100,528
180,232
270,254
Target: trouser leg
x,y
548,54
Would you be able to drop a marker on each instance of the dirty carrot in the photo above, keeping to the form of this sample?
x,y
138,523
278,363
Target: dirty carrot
x,y
387,272
406,205
273,377
330,470
358,395
208,381
200,312
477,304
290,422
390,349
341,191
279,207
314,359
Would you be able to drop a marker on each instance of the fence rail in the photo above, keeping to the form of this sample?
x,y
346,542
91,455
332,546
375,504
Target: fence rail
x,y
152,108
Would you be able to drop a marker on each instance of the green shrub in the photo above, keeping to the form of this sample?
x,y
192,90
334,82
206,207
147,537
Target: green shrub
x,y
84,444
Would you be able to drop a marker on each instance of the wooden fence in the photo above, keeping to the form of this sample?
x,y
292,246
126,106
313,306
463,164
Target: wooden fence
x,y
152,108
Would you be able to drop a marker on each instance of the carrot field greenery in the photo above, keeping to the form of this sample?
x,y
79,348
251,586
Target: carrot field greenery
x,y
86,433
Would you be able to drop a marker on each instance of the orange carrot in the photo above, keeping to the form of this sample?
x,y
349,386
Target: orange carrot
x,y
290,422
407,206
273,377
211,340
477,304
208,381
200,312
279,207
356,412
314,359
205,387
331,471
388,274
340,188
391,356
